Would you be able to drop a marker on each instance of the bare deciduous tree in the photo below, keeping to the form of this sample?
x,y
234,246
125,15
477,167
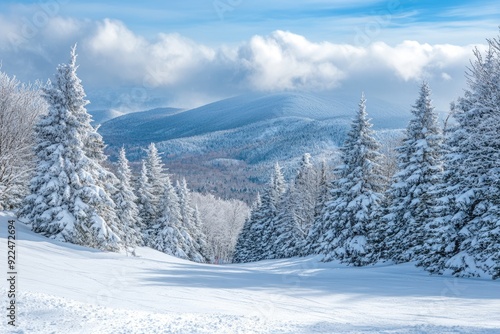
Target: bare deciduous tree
x,y
20,106
222,222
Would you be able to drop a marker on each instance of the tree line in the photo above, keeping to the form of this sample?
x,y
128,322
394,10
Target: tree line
x,y
73,197
440,210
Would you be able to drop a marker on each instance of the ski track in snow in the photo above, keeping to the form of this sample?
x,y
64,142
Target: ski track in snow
x,y
63,288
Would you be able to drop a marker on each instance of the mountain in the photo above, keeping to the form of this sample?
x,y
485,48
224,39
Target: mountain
x,y
119,120
65,288
101,116
165,124
227,146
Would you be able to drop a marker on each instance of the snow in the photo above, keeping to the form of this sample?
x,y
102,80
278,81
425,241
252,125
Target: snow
x,y
242,111
101,116
64,288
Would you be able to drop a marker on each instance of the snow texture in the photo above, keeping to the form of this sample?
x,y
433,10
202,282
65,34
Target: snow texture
x,y
66,288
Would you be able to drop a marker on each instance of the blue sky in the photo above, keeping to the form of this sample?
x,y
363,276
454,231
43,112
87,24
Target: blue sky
x,y
229,21
192,52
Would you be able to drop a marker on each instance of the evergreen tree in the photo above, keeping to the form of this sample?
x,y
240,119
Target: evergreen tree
x,y
264,227
106,180
258,218
170,236
194,237
147,212
156,178
413,195
356,196
126,207
323,189
246,239
465,241
314,237
296,212
150,189
68,201
258,238
288,229
306,194
201,238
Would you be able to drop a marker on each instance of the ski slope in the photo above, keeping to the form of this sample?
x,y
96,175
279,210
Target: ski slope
x,y
64,288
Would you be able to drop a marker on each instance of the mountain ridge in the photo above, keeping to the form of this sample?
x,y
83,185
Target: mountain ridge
x,y
236,112
227,147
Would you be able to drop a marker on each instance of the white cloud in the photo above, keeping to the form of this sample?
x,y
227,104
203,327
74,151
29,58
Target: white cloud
x,y
164,62
113,56
287,61
63,28
445,76
407,59
411,60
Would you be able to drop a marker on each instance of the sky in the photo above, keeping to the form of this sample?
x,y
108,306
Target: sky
x,y
139,54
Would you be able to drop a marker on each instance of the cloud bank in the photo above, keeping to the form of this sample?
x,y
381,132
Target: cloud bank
x,y
174,69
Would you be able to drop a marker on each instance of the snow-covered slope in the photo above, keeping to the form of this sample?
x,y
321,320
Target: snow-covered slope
x,y
101,116
64,288
251,132
133,120
243,111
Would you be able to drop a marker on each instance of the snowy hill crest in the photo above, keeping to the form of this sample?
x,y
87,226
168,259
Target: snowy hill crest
x,y
254,131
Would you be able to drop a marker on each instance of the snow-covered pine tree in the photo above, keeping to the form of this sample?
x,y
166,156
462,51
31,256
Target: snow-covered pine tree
x,y
170,236
440,237
201,237
466,240
264,227
147,212
246,239
288,240
306,193
486,245
126,207
195,235
356,196
296,214
67,200
412,196
150,189
323,189
106,180
257,239
313,240
255,251
156,177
